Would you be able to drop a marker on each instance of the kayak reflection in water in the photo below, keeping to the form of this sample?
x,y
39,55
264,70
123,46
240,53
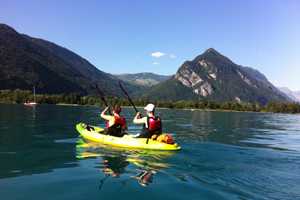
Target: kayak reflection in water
x,y
114,165
145,177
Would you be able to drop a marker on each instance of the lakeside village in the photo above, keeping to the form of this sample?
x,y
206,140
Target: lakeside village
x,y
21,96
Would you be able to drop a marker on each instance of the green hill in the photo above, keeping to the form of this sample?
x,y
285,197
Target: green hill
x,y
145,79
27,61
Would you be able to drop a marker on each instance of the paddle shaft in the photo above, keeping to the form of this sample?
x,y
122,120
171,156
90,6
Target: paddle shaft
x,y
101,94
127,95
133,105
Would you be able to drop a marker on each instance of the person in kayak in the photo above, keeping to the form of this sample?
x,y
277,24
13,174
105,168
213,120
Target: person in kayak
x,y
152,124
116,119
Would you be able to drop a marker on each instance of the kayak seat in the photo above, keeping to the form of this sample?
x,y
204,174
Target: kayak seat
x,y
114,130
156,131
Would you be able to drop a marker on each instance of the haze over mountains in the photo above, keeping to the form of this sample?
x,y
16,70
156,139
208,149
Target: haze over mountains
x,y
27,61
295,96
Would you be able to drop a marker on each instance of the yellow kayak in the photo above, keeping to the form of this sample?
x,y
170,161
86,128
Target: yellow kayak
x,y
124,141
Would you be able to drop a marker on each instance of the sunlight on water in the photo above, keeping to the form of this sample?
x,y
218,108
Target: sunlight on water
x,y
224,155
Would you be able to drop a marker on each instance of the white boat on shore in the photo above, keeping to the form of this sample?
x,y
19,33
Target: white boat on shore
x,y
32,103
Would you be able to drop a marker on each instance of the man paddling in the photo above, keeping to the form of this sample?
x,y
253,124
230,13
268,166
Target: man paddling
x,y
152,124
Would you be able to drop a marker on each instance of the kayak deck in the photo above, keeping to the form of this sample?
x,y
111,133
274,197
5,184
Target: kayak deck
x,y
124,141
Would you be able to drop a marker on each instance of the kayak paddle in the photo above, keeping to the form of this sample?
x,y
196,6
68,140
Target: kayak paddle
x,y
101,94
127,95
131,103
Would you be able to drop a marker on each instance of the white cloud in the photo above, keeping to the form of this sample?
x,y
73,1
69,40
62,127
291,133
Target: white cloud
x,y
275,81
155,63
173,56
262,54
158,54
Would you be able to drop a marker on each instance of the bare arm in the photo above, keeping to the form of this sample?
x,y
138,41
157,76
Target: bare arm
x,y
139,120
107,117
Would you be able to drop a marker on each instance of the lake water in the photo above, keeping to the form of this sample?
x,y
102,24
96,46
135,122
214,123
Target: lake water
x,y
224,155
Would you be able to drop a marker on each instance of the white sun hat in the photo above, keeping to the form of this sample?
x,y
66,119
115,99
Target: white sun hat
x,y
150,107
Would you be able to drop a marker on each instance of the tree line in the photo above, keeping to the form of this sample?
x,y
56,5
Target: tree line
x,y
22,96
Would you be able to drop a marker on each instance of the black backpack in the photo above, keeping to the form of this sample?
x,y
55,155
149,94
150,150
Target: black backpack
x,y
114,130
88,127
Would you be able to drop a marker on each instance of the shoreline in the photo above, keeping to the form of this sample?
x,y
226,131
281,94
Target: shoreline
x,y
142,107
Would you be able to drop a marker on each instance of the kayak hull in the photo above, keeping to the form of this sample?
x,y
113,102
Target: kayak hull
x,y
124,141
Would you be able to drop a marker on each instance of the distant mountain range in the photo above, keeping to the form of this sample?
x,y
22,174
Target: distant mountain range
x,y
27,61
295,96
145,79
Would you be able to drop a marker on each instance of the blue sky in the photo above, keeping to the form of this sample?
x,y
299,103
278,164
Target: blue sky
x,y
159,36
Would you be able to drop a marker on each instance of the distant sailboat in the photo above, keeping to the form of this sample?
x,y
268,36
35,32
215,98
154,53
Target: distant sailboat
x,y
32,103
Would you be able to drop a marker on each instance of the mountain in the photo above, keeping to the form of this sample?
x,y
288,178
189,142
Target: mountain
x,y
145,79
295,96
27,61
262,78
214,77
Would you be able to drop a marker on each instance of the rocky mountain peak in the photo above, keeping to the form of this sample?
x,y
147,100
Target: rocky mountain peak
x,y
212,75
211,50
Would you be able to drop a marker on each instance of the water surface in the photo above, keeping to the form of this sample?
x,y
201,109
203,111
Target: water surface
x,y
224,155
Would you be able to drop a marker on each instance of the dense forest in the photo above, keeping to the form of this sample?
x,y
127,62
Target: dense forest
x,y
21,96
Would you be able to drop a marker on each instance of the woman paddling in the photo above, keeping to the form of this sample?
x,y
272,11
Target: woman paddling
x,y
114,120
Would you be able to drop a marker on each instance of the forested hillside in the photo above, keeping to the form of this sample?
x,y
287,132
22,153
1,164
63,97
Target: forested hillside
x,y
261,77
145,79
26,62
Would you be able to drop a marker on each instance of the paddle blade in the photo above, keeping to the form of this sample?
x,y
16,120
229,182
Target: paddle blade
x,y
121,86
101,94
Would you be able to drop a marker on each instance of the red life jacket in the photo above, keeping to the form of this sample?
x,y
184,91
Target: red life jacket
x,y
152,123
115,120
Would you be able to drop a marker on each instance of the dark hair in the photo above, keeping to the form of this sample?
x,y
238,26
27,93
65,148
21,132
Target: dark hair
x,y
117,109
